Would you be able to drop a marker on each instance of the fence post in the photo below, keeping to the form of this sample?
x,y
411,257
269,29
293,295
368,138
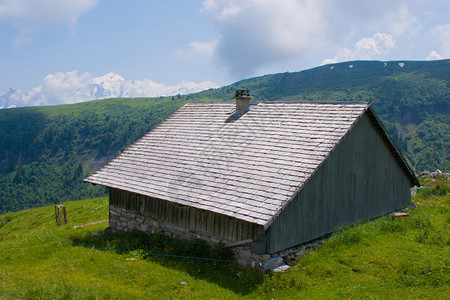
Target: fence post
x,y
65,214
60,214
58,220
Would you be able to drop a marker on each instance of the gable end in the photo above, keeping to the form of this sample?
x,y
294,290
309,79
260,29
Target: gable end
x,y
398,156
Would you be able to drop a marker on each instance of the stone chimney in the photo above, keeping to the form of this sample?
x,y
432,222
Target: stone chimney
x,y
242,101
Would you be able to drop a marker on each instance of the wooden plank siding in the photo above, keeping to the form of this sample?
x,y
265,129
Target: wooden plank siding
x,y
360,180
200,221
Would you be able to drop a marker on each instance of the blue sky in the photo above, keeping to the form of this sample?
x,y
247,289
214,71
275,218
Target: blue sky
x,y
168,42
136,39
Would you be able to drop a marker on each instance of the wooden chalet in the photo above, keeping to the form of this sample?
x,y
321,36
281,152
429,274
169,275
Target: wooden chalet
x,y
274,174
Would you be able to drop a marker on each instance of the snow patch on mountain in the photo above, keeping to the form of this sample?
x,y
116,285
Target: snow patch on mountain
x,y
71,87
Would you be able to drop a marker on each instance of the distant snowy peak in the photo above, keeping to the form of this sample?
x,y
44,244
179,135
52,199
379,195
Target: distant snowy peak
x,y
111,82
108,86
108,78
62,88
115,86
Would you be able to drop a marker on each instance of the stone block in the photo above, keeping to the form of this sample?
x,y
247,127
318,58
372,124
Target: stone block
x,y
129,215
257,258
272,264
144,227
316,245
168,226
206,238
214,240
244,255
282,268
265,257
183,230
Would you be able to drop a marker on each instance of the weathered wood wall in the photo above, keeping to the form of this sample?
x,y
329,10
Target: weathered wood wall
x,y
360,180
200,221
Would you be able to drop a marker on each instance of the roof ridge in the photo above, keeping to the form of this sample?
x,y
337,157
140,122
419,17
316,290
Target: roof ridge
x,y
286,102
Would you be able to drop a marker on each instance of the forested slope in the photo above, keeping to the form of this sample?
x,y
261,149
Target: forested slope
x,y
45,152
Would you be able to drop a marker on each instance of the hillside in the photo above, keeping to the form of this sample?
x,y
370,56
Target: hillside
x,y
45,152
389,258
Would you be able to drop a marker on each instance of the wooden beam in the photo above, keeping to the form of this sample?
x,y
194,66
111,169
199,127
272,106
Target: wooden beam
x,y
234,244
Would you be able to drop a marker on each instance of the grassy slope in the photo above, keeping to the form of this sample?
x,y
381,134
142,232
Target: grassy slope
x,y
388,258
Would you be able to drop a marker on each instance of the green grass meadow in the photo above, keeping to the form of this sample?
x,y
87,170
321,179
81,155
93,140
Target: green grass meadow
x,y
389,258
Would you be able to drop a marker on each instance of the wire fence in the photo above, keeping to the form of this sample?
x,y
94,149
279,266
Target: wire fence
x,y
216,259
206,258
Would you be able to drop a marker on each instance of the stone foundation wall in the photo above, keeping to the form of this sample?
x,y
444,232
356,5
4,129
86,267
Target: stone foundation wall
x,y
122,219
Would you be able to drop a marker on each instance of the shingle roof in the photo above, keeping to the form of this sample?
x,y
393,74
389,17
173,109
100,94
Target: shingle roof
x,y
248,167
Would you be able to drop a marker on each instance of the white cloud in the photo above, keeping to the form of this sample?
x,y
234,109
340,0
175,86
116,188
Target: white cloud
x,y
205,49
32,16
254,33
434,56
71,87
379,44
365,49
